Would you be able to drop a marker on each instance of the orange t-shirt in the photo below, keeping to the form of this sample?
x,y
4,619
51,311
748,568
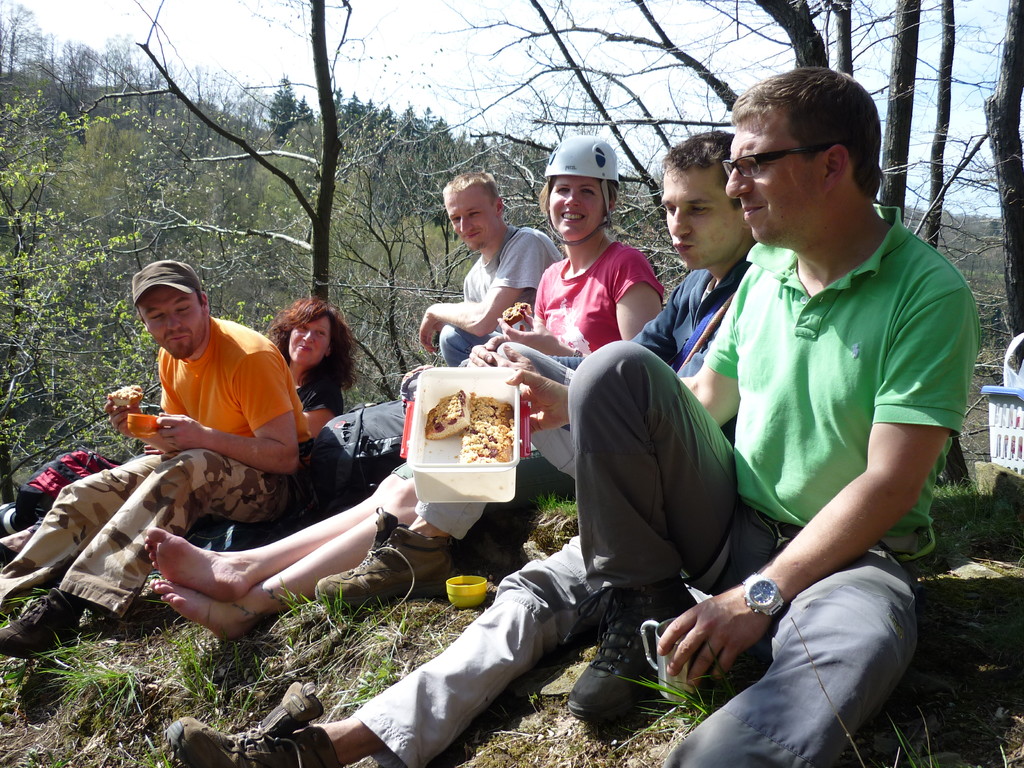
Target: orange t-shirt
x,y
240,383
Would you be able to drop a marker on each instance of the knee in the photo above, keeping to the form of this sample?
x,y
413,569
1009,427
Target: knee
x,y
528,586
395,493
453,345
548,586
189,464
617,360
616,373
723,739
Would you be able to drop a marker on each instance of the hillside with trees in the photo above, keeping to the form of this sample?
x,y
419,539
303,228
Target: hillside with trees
x,y
113,158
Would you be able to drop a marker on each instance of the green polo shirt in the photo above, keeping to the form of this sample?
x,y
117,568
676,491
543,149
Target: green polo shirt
x,y
893,341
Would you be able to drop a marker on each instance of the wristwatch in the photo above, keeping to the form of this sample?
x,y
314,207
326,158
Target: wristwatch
x,y
762,594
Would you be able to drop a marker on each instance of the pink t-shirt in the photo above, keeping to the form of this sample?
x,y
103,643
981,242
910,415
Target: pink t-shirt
x,y
580,310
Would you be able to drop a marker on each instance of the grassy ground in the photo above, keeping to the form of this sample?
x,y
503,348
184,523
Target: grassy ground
x,y
105,702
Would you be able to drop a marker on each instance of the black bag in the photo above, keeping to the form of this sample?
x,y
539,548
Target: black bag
x,y
354,452
36,496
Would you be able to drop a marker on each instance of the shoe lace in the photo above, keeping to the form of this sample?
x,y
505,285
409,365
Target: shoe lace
x,y
256,741
412,571
618,630
374,555
379,542
585,610
35,610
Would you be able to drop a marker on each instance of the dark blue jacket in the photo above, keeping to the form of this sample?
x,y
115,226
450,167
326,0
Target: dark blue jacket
x,y
666,333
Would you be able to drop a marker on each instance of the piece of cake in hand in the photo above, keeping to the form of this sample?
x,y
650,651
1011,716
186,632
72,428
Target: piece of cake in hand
x,y
489,437
449,417
131,395
517,313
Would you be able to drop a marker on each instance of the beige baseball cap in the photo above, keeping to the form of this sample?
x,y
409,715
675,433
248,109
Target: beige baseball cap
x,y
167,272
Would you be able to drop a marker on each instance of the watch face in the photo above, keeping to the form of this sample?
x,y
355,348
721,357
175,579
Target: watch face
x,y
762,592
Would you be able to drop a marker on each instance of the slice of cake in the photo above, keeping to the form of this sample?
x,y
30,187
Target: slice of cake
x,y
489,437
449,417
131,395
517,313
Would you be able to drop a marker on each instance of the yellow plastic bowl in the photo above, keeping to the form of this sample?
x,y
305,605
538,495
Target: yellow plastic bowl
x,y
466,591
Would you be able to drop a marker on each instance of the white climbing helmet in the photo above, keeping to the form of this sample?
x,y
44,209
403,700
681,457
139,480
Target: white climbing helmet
x,y
584,156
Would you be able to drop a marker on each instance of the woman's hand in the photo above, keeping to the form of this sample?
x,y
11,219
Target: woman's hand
x,y
486,355
539,338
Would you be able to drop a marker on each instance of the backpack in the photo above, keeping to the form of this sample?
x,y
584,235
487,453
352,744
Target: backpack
x,y
36,496
354,452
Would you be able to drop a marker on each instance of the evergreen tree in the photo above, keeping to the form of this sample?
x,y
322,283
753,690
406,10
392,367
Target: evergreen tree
x,y
286,111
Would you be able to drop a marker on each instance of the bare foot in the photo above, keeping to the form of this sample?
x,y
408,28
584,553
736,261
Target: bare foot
x,y
219,576
17,541
226,620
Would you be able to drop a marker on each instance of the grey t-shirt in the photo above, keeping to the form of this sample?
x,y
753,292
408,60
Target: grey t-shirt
x,y
520,264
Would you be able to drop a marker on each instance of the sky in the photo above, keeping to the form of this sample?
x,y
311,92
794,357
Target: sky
x,y
391,59
415,52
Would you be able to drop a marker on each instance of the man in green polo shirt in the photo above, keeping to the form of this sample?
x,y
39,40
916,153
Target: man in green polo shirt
x,y
846,362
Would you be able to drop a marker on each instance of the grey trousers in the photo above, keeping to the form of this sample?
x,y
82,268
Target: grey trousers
x,y
656,495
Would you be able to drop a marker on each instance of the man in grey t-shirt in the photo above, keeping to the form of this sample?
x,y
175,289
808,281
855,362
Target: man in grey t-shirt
x,y
512,260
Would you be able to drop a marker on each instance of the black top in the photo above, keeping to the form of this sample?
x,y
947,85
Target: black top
x,y
322,393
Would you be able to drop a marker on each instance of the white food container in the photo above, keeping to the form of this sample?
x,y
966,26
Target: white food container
x,y
438,475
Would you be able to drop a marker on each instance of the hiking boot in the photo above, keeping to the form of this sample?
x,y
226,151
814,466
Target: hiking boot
x,y
298,707
197,745
401,563
47,623
609,687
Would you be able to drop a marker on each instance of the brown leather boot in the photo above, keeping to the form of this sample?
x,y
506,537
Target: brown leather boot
x,y
401,563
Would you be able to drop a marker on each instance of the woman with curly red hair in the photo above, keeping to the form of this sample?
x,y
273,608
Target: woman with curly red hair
x,y
319,346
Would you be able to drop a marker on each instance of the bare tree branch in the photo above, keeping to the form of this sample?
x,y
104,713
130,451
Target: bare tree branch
x,y
86,109
939,196
655,121
234,138
794,16
720,88
598,103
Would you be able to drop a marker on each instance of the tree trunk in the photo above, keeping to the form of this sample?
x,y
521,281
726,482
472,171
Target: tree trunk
x,y
1002,113
844,37
933,219
321,240
795,18
896,143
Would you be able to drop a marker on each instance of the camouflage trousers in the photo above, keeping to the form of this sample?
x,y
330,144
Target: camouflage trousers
x,y
94,536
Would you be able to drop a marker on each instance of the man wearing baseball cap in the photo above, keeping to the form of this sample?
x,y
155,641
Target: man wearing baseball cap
x,y
226,442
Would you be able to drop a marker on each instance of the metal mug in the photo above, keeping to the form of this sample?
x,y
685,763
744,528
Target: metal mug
x,y
651,632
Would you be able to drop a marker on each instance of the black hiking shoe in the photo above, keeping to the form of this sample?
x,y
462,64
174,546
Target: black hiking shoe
x,y
609,687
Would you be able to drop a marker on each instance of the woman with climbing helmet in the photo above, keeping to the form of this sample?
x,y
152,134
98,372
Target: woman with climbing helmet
x,y
603,290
